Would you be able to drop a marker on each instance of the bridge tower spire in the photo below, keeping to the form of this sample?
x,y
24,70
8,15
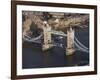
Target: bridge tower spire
x,y
47,36
70,41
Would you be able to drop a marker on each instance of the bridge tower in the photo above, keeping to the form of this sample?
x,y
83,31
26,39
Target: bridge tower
x,y
47,37
70,41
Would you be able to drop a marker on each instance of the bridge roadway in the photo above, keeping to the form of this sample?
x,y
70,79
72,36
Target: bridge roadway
x,y
58,33
78,44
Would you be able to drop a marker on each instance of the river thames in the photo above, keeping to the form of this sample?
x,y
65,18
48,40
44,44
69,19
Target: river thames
x,y
34,57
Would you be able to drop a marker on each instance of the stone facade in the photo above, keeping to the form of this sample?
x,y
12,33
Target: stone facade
x,y
70,41
47,37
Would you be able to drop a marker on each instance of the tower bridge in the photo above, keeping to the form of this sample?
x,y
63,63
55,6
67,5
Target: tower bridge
x,y
46,21
72,42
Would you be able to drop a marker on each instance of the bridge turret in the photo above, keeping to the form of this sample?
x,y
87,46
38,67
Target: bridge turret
x,y
70,41
47,37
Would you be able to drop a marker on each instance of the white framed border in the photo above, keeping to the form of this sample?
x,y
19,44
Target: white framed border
x,y
33,71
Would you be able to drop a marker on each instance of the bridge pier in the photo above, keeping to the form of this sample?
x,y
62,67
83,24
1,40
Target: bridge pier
x,y
70,41
47,37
